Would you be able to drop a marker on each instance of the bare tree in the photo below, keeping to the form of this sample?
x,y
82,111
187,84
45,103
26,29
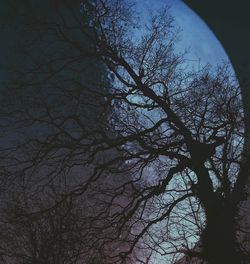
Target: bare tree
x,y
53,237
162,169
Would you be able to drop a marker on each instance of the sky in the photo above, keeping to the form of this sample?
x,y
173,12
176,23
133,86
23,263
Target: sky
x,y
196,37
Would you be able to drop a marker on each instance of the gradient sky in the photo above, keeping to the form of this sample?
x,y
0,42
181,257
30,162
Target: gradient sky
x,y
196,37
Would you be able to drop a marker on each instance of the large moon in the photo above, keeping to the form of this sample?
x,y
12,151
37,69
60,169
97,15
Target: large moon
x,y
195,37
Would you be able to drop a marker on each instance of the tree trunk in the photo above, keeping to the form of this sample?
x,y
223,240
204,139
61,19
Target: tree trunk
x,y
219,237
230,23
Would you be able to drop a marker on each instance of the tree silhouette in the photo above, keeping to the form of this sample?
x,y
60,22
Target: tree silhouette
x,y
154,151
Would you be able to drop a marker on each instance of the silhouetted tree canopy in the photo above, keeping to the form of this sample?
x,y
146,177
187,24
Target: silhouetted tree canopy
x,y
114,145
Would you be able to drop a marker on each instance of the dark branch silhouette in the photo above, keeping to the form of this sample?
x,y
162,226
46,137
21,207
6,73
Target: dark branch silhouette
x,y
148,149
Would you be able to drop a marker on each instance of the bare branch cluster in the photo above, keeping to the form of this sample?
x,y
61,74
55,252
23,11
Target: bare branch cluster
x,y
142,162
